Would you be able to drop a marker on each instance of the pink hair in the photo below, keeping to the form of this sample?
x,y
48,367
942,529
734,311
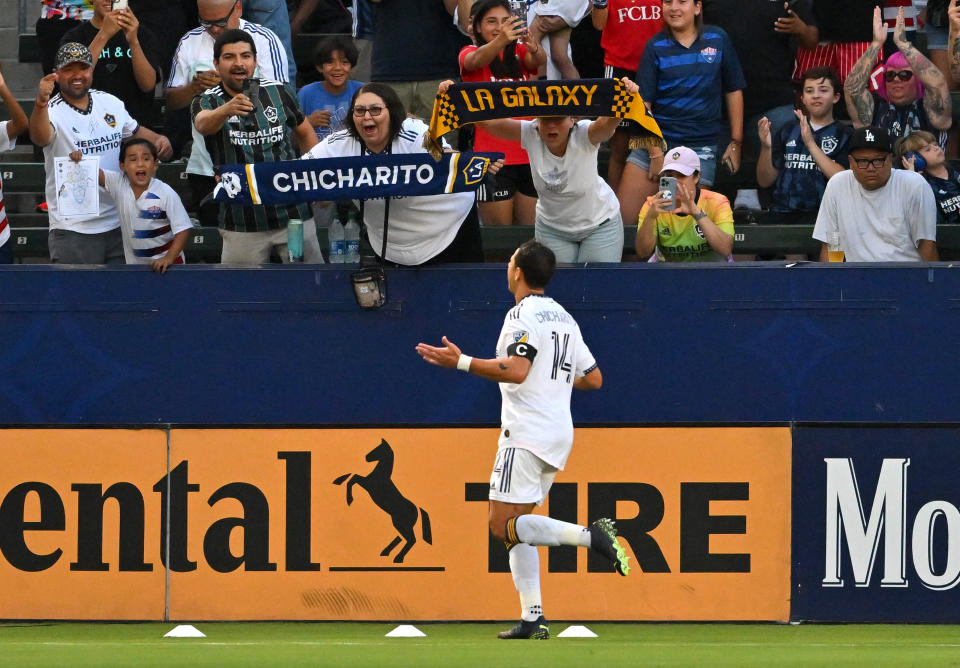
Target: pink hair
x,y
898,62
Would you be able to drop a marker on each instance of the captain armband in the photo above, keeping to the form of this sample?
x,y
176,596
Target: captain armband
x,y
522,349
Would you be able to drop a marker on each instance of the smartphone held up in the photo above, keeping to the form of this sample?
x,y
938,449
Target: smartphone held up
x,y
519,9
668,190
119,4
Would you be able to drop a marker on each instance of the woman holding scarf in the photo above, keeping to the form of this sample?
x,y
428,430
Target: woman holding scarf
x,y
503,52
578,215
420,230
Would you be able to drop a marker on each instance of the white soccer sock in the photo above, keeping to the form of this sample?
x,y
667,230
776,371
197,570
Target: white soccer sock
x,y
525,568
541,530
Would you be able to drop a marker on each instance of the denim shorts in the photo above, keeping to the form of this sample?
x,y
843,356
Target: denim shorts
x,y
936,37
708,161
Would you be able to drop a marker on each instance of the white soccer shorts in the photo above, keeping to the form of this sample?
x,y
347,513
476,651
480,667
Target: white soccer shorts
x,y
519,476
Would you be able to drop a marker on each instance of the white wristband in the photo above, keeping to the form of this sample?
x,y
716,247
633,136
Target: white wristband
x,y
464,362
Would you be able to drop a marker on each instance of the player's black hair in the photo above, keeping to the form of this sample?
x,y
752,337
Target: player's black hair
x,y
537,262
507,67
233,36
328,46
138,141
394,106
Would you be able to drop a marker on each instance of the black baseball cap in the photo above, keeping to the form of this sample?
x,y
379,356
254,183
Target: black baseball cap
x,y
871,137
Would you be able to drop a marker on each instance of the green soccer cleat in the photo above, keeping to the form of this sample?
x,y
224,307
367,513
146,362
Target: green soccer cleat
x,y
537,630
603,539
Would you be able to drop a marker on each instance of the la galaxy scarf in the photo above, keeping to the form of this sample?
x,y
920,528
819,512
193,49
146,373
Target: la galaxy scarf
x,y
354,177
465,103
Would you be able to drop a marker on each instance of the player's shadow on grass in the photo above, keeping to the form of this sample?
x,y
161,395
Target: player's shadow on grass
x,y
383,492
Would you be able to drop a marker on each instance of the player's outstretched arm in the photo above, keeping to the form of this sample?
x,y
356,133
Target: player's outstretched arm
x,y
501,370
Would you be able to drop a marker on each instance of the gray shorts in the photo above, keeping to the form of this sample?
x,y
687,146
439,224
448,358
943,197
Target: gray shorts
x,y
68,247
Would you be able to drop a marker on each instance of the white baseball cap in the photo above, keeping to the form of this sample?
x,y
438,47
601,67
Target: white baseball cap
x,y
681,159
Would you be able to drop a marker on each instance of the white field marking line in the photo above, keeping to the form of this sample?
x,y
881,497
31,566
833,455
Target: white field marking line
x,y
242,643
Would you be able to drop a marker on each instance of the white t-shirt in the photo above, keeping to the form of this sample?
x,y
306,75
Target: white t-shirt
x,y
535,414
572,196
149,222
883,225
420,227
6,144
96,131
195,54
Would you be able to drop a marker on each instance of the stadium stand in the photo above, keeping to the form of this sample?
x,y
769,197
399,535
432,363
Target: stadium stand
x,y
23,180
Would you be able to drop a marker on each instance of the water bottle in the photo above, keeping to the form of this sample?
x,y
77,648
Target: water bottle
x,y
295,240
337,243
352,237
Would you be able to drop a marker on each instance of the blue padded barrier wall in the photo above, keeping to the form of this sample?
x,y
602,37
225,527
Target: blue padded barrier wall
x,y
211,345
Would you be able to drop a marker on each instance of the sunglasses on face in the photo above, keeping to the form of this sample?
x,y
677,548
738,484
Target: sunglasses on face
x,y
863,163
219,23
903,75
374,111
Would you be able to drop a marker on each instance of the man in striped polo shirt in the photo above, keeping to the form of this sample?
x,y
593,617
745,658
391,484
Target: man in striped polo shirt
x,y
239,130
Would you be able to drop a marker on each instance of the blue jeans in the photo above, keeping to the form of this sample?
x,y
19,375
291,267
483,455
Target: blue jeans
x,y
603,243
708,161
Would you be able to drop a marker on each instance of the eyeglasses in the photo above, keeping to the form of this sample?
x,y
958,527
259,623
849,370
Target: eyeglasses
x,y
219,23
903,75
375,111
863,163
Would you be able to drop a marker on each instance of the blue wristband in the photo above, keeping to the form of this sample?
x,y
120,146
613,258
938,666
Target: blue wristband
x,y
599,4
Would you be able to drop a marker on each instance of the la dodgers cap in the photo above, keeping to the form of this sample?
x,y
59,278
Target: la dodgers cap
x,y
871,137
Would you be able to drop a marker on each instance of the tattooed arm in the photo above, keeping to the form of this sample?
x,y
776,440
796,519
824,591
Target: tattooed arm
x,y
855,88
936,98
954,40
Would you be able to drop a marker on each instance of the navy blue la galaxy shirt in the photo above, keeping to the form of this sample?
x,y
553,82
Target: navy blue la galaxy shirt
x,y
947,193
800,183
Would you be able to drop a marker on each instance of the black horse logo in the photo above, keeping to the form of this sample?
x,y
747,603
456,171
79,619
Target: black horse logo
x,y
385,494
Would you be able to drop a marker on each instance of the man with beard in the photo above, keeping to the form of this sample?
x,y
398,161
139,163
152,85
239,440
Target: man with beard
x,y
192,72
237,129
93,123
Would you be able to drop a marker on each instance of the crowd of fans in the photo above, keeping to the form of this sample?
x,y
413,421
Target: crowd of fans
x,y
844,118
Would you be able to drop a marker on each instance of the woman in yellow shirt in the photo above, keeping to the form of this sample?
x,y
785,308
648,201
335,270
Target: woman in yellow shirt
x,y
699,229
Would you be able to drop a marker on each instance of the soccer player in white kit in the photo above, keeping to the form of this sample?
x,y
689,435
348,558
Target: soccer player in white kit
x,y
541,358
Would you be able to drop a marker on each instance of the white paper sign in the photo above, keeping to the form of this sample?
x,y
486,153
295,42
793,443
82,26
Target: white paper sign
x,y
77,191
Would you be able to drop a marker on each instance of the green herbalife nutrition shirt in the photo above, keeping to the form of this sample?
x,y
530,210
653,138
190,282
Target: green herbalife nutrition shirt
x,y
264,136
680,239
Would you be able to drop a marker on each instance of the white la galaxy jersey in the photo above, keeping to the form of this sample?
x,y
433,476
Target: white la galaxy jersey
x,y
535,414
95,131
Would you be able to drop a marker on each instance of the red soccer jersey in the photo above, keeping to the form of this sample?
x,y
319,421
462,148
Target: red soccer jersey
x,y
630,23
483,140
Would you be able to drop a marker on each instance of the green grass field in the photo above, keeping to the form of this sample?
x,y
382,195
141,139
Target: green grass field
x,y
454,645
